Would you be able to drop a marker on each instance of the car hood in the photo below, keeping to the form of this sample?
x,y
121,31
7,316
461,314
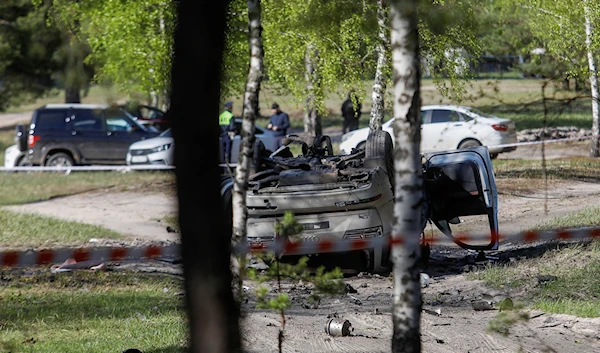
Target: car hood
x,y
151,143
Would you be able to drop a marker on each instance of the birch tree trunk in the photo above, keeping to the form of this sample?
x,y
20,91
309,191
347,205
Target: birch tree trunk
x,y
379,85
205,242
255,75
409,182
312,119
595,148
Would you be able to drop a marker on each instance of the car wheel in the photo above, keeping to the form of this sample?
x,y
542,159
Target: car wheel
x,y
379,146
469,144
60,159
361,146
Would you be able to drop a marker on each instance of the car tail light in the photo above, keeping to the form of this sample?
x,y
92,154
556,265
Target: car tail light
x,y
500,127
32,139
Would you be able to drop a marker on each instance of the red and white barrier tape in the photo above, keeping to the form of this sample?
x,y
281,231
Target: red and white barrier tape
x,y
51,256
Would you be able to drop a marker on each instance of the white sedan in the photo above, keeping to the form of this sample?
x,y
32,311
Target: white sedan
x,y
450,127
160,150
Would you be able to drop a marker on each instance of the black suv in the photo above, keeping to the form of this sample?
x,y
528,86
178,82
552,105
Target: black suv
x,y
70,134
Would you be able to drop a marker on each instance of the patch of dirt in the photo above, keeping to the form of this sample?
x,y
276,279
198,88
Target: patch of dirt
x,y
458,327
134,214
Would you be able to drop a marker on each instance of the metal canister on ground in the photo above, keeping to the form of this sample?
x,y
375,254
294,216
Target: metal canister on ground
x,y
338,327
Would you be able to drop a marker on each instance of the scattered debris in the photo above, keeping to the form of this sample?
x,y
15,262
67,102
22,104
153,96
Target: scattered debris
x,y
424,280
332,315
101,267
70,264
436,312
172,230
544,279
338,327
482,305
355,300
271,324
440,341
364,285
364,275
376,311
349,289
93,240
245,288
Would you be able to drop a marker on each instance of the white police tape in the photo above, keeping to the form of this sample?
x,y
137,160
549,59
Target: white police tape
x,y
86,168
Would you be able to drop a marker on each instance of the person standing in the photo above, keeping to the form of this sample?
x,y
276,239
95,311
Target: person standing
x,y
226,123
279,123
350,114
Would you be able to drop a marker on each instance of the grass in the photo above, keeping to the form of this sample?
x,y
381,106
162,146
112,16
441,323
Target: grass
x,y
20,188
96,95
574,291
29,230
588,217
91,312
580,168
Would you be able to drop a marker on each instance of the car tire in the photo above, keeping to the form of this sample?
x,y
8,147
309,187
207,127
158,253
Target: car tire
x,y
469,144
379,146
21,137
361,146
60,159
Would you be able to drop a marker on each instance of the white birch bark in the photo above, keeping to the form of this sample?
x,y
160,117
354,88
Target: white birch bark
x,y
379,85
408,207
255,75
594,150
312,120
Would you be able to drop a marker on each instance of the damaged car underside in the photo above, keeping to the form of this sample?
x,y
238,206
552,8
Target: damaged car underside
x,y
348,197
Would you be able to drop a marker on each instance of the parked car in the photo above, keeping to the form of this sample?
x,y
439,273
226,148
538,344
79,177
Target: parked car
x,y
160,150
147,115
351,197
13,157
449,127
76,134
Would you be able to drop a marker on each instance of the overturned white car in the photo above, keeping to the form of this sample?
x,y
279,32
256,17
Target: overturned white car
x,y
349,197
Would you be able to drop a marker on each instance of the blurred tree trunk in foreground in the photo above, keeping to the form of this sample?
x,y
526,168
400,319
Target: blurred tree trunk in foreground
x,y
206,243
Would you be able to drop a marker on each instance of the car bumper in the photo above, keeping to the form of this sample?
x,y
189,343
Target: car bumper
x,y
158,158
334,226
497,145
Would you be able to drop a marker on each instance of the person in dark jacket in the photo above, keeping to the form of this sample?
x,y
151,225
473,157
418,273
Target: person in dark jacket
x,y
279,123
227,125
350,114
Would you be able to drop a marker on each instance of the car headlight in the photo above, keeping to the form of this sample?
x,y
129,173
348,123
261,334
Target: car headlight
x,y
164,147
347,136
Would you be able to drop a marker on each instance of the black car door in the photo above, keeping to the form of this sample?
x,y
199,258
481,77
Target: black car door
x,y
88,133
122,131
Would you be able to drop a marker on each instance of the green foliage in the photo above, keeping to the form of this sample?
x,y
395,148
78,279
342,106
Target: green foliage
x,y
506,319
329,282
131,42
288,226
27,52
449,43
279,303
